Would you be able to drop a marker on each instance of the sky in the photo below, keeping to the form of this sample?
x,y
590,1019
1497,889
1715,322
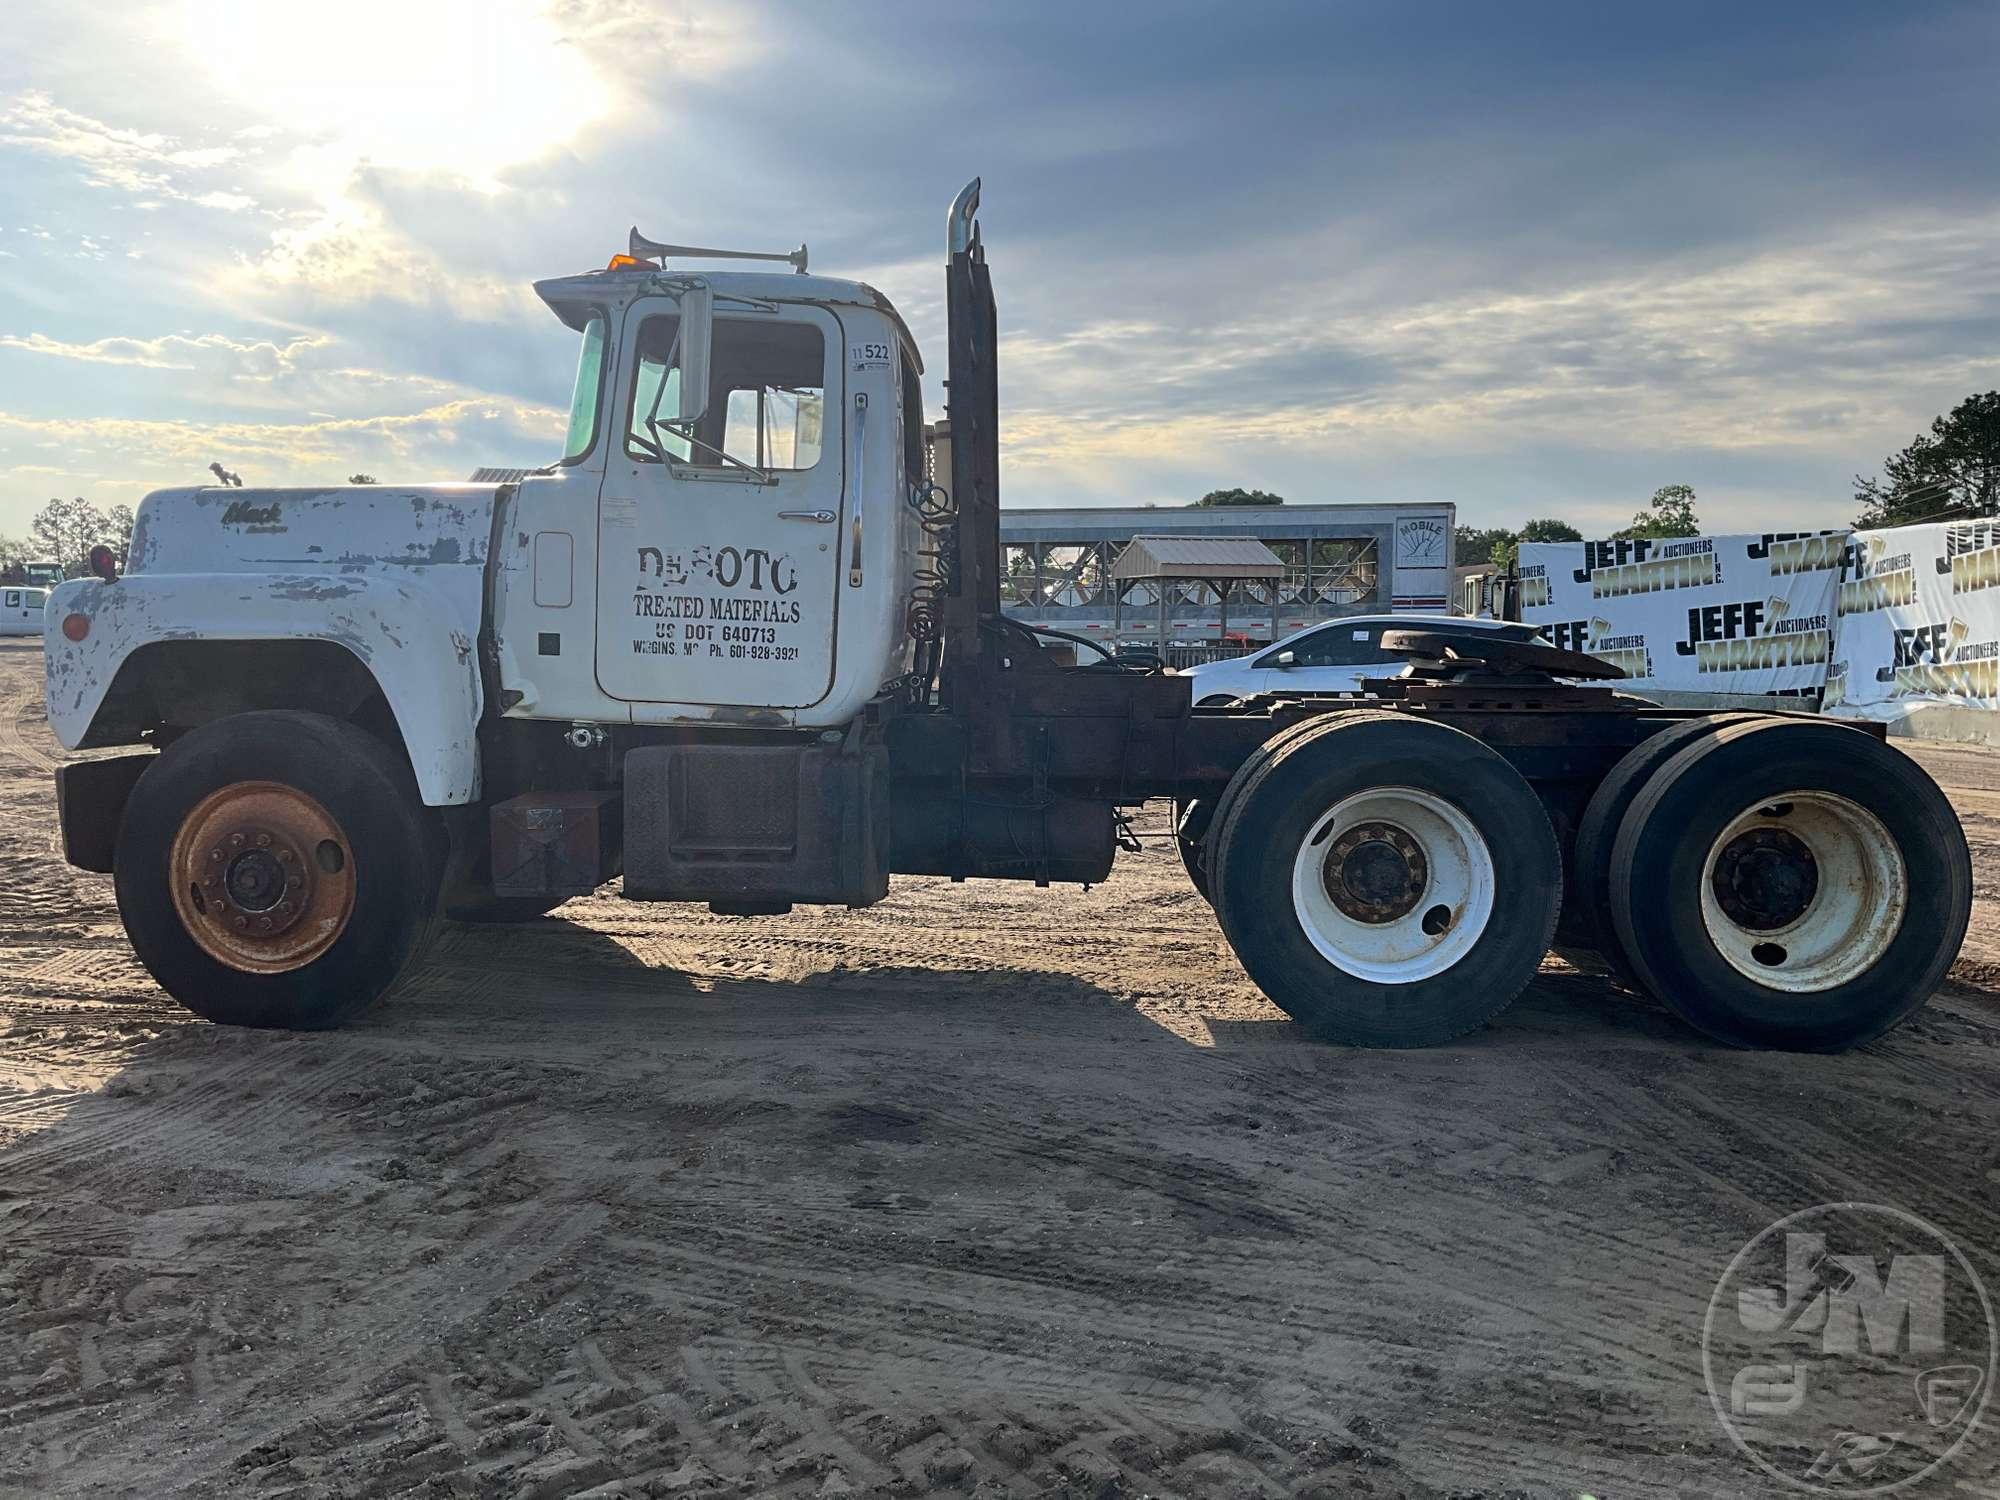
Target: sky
x,y
1534,259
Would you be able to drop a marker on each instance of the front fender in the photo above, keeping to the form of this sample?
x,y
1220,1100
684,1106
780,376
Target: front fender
x,y
406,636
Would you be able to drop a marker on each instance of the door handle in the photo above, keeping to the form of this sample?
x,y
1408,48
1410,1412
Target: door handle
x,y
860,487
824,517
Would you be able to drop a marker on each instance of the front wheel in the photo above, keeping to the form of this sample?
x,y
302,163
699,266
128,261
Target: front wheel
x,y
490,910
1191,819
277,869
1388,882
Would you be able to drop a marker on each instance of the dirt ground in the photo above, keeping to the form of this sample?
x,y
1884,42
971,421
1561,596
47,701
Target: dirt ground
x,y
986,1189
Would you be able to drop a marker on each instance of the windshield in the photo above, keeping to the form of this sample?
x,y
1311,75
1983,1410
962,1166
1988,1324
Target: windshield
x,y
589,386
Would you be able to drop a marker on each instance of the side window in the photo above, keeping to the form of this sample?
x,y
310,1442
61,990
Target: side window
x,y
775,377
584,398
1339,646
767,396
656,392
13,599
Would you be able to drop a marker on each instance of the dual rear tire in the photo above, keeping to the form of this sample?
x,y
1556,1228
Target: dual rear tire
x,y
1784,883
1787,883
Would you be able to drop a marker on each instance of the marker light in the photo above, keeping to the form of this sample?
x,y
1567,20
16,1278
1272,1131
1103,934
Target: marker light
x,y
76,627
630,263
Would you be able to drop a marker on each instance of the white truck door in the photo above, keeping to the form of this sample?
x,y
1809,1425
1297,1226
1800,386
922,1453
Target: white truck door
x,y
719,547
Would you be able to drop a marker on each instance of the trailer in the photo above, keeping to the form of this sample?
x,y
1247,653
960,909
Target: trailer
x,y
743,644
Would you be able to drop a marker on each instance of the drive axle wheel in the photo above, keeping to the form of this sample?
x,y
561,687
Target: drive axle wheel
x,y
1782,883
1586,916
277,869
1388,882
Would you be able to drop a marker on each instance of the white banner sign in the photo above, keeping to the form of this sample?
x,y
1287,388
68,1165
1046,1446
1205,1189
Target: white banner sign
x,y
1704,614
1919,620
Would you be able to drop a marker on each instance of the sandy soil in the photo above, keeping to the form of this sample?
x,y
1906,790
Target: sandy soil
x,y
986,1190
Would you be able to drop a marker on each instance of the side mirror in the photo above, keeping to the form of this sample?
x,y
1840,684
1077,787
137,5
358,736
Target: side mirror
x,y
697,330
1285,659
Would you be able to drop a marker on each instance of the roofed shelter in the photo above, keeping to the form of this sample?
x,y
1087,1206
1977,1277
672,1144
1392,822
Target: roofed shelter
x,y
1216,560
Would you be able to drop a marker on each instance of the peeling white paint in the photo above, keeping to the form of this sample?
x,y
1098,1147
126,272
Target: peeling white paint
x,y
394,575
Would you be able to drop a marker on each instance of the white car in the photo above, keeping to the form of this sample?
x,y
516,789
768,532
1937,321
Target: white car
x,y
1332,657
21,610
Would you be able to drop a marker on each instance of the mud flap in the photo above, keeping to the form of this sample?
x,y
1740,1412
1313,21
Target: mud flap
x,y
90,805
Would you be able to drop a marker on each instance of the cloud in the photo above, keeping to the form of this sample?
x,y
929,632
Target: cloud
x,y
1533,260
109,156
1783,348
119,460
262,360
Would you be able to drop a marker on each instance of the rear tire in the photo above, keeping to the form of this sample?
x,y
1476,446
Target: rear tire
x,y
1388,882
277,869
1791,885
1586,917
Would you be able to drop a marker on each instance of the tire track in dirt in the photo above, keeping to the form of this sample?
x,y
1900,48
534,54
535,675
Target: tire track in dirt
x,y
15,710
935,1197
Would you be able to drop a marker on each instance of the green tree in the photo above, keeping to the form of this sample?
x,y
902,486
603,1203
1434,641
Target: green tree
x,y
1550,529
13,558
362,479
64,531
1237,497
1541,529
1669,513
1955,469
1472,545
118,522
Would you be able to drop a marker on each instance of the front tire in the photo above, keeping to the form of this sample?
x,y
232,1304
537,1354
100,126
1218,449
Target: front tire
x,y
1189,816
277,869
1388,882
1791,885
489,910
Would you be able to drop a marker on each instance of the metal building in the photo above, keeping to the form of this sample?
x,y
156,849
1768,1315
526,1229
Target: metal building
x,y
1339,560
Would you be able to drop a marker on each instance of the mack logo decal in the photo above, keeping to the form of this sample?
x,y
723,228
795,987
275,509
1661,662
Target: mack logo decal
x,y
243,513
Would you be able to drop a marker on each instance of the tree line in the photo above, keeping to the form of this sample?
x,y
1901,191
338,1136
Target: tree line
x,y
63,532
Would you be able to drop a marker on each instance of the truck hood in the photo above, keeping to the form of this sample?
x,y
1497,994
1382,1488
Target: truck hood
x,y
349,528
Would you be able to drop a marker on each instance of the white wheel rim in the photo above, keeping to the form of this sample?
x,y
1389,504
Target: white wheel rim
x,y
1860,892
1454,900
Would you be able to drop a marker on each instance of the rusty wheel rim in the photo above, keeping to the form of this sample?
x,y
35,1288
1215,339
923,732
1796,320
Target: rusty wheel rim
x,y
263,877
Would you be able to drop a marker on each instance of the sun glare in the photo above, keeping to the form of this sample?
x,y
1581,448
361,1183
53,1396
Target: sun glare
x,y
468,87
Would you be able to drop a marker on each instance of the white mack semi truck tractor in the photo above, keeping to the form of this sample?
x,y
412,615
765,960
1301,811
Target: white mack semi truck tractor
x,y
741,644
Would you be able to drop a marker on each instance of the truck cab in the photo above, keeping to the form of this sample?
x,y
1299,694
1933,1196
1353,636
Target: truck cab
x,y
725,538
